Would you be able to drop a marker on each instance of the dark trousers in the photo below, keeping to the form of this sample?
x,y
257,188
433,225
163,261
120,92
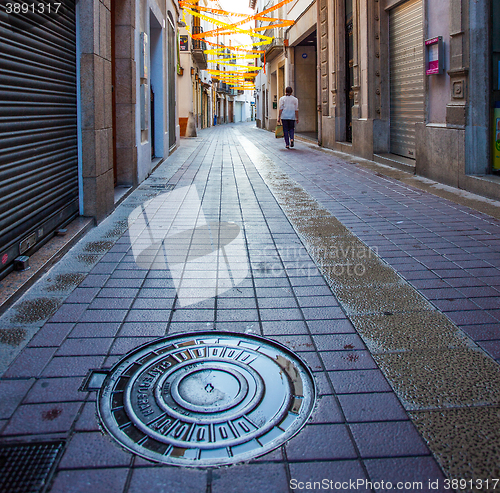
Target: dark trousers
x,y
288,130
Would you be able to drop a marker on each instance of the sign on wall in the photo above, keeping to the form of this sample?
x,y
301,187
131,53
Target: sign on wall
x,y
183,42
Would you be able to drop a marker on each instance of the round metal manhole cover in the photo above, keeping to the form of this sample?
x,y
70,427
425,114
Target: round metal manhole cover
x,y
206,399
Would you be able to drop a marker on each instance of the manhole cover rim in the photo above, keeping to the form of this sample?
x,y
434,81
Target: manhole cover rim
x,y
307,381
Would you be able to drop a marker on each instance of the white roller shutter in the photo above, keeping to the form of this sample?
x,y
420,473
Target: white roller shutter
x,y
407,75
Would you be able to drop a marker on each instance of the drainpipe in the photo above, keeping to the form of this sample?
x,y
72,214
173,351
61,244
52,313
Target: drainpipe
x,y
318,60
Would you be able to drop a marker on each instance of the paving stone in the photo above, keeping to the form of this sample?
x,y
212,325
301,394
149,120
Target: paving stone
x,y
83,481
104,268
323,313
338,342
315,443
51,335
83,295
491,347
118,293
143,329
347,360
94,281
470,317
30,363
287,302
327,410
353,381
326,473
168,479
236,303
13,392
95,329
414,473
149,315
317,301
237,315
87,420
69,313
90,346
124,345
55,390
280,314
281,328
91,450
72,366
365,407
330,326
252,478
482,332
295,343
101,316
193,315
111,303
388,439
32,419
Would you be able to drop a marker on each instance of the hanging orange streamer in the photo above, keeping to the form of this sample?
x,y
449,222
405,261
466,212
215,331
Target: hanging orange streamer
x,y
240,76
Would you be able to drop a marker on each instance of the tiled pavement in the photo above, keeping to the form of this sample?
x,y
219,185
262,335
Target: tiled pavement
x,y
102,300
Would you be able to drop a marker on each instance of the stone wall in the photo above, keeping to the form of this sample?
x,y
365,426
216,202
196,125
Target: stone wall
x,y
125,95
96,107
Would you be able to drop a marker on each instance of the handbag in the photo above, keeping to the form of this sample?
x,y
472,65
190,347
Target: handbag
x,y
278,133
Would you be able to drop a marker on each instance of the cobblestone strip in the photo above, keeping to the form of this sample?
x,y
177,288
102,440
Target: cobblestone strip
x,y
449,386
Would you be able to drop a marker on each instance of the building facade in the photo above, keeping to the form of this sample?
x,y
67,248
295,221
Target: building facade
x,y
88,104
408,83
210,100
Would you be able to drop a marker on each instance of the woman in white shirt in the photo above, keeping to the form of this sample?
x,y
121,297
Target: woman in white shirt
x,y
288,115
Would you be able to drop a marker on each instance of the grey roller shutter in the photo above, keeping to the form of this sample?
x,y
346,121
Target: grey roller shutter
x,y
38,128
407,75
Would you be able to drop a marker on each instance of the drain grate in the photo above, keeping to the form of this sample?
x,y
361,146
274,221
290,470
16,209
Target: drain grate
x,y
28,468
206,399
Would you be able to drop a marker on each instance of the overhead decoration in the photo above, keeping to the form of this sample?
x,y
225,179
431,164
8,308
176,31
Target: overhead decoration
x,y
226,57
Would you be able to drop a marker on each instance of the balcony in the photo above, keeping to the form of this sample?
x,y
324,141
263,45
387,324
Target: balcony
x,y
273,49
198,49
226,89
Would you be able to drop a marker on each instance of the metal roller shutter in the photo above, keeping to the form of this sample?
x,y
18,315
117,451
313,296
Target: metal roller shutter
x,y
407,75
38,128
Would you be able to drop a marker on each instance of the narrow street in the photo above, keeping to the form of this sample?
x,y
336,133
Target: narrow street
x,y
389,293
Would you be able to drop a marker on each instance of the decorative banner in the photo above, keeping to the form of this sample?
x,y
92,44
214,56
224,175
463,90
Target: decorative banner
x,y
238,76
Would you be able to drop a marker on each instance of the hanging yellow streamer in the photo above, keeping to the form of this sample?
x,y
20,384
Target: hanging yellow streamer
x,y
244,78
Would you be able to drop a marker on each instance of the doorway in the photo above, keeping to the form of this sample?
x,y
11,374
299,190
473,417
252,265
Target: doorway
x,y
349,69
156,87
495,85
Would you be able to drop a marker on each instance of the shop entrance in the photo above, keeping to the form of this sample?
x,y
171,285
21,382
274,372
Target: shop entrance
x,y
495,85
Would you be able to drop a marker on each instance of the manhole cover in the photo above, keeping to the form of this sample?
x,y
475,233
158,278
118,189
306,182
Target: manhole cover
x,y
206,399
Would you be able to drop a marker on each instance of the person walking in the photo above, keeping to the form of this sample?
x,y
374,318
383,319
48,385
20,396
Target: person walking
x,y
288,115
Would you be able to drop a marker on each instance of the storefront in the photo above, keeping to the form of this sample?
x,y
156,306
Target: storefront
x,y
406,38
38,129
495,85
